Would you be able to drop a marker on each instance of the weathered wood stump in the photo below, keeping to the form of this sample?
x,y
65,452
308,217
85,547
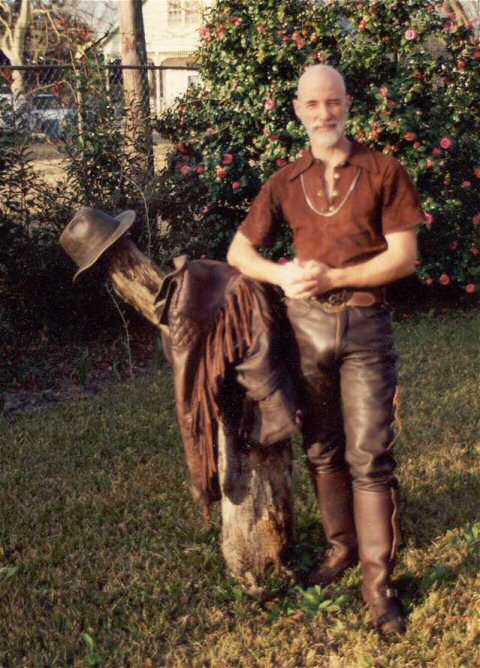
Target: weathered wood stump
x,y
256,502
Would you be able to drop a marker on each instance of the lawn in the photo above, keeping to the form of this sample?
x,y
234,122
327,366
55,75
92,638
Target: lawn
x,y
105,560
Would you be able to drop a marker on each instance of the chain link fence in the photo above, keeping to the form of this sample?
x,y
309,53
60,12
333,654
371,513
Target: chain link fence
x,y
41,102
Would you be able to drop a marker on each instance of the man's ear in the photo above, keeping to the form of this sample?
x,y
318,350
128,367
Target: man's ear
x,y
296,106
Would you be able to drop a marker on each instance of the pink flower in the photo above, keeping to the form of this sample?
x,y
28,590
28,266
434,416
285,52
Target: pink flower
x,y
282,260
410,136
474,251
428,219
384,92
210,131
227,158
436,151
200,169
221,172
411,34
221,32
430,163
417,144
236,20
476,219
466,184
476,171
269,104
236,185
444,279
429,281
446,143
471,288
281,162
204,33
453,245
185,169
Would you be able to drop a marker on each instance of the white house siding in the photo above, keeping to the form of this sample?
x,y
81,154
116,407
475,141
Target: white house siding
x,y
167,44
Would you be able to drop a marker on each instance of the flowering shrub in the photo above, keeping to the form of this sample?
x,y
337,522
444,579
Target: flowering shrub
x,y
414,78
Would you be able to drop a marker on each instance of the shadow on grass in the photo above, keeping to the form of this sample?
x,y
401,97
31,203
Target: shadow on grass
x,y
432,511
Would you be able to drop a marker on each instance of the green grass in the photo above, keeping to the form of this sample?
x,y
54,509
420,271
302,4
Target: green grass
x,y
105,560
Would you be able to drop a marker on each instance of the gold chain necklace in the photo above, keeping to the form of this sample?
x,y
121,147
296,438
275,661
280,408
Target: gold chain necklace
x,y
328,214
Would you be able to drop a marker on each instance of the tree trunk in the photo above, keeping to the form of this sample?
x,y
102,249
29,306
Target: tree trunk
x,y
12,44
256,504
138,132
257,518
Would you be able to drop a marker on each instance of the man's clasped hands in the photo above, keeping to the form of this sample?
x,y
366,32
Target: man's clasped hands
x,y
303,279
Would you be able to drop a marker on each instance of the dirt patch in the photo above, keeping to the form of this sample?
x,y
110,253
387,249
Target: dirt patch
x,y
41,373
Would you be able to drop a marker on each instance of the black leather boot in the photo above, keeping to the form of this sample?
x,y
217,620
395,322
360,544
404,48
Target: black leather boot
x,y
376,520
335,501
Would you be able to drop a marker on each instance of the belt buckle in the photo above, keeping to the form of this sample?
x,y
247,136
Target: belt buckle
x,y
336,300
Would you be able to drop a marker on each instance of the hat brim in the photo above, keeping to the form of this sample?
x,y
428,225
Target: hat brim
x,y
126,219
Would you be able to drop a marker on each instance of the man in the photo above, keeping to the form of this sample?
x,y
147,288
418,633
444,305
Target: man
x,y
354,214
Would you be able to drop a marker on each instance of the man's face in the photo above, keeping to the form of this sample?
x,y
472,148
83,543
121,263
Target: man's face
x,y
322,106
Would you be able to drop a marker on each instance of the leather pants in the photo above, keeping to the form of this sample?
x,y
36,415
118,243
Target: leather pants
x,y
347,361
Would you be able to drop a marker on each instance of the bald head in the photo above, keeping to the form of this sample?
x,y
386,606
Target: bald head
x,y
322,105
323,76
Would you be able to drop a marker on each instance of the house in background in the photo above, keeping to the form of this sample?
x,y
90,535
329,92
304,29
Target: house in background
x,y
171,36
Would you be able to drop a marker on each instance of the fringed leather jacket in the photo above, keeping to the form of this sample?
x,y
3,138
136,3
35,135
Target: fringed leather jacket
x,y
221,327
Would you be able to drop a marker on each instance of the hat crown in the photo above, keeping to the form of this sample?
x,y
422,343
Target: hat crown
x,y
90,233
88,229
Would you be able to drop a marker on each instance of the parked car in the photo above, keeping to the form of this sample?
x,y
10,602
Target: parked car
x,y
47,116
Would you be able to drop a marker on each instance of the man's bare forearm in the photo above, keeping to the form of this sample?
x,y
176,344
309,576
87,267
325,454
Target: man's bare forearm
x,y
291,277
380,270
244,257
396,262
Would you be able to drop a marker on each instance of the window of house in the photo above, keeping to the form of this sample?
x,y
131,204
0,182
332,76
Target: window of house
x,y
184,12
193,79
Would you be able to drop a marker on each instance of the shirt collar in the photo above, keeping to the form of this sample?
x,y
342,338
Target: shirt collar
x,y
360,156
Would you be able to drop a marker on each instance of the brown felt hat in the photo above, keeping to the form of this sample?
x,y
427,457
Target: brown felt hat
x,y
90,233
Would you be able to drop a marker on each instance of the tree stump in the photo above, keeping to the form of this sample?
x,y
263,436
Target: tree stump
x,y
256,503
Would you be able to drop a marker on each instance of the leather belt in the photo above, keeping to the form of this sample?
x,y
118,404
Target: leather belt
x,y
339,299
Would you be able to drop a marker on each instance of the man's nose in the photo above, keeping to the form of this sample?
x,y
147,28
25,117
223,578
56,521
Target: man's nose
x,y
323,111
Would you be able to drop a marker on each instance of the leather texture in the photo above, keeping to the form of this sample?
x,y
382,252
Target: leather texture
x,y
217,325
335,501
376,520
347,363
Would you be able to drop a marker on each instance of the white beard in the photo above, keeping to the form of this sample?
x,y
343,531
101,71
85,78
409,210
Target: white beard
x,y
327,138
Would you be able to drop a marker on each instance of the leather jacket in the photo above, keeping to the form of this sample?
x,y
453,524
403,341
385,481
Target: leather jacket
x,y
226,336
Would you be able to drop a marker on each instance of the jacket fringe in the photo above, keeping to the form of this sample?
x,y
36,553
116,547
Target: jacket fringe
x,y
229,339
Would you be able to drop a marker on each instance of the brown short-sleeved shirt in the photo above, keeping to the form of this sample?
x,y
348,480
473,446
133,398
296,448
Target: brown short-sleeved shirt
x,y
373,196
